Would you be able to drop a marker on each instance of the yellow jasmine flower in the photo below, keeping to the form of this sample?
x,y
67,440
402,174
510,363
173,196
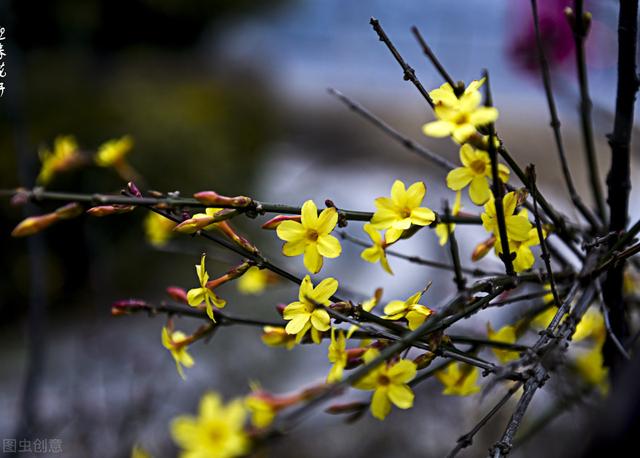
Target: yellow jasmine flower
x,y
65,156
443,230
311,236
591,326
261,406
458,116
253,281
337,355
458,380
524,259
217,431
197,296
518,226
158,229
398,213
305,314
376,252
367,306
139,452
506,334
113,151
475,170
414,313
389,384
176,343
277,337
590,366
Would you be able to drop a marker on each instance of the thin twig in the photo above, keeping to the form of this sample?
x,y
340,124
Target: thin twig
x,y
555,123
459,279
409,73
434,60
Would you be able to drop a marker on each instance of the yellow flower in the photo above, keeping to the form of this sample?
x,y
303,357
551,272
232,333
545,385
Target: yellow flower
x,y
590,366
112,152
389,385
158,229
65,156
261,405
376,251
311,236
277,337
197,296
443,230
458,380
506,334
305,314
591,326
253,281
524,259
367,306
176,343
518,226
217,432
458,116
409,309
337,355
398,213
475,170
139,452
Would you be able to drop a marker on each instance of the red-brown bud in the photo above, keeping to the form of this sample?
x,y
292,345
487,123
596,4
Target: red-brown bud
x,y
274,222
214,199
177,294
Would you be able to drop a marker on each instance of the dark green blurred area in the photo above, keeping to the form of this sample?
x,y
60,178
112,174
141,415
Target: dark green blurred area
x,y
101,69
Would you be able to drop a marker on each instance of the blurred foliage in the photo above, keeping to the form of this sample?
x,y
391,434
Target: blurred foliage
x,y
101,69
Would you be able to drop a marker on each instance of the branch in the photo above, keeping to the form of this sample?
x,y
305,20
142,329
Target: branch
x,y
555,124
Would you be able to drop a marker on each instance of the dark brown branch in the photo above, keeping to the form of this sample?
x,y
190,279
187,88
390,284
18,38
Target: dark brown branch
x,y
498,188
459,279
618,179
434,60
580,26
408,72
555,123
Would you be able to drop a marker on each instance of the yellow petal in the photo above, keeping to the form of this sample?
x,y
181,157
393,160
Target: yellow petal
x,y
325,289
371,254
398,193
309,215
459,178
297,323
329,246
467,154
415,194
479,190
395,307
392,235
291,231
380,404
312,259
306,289
327,220
483,115
320,319
401,396
422,216
403,371
462,132
438,129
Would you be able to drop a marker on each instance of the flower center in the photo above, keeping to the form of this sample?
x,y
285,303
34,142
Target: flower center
x,y
312,235
478,166
405,212
383,380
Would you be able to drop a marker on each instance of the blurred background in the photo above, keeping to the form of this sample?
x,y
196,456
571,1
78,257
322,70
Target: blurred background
x,y
232,96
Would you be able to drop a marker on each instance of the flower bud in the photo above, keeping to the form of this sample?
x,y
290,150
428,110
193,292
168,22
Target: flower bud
x,y
214,199
107,210
273,223
483,248
424,360
127,306
34,224
69,211
177,294
194,224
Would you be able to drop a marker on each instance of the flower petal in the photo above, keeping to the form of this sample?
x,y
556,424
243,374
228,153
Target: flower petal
x,y
312,259
320,319
294,248
401,396
422,216
459,178
329,246
403,371
479,190
325,289
291,231
438,129
415,194
380,404
327,220
398,193
309,215
483,115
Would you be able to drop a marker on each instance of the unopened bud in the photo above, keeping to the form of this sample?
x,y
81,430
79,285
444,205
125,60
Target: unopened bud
x,y
273,223
227,230
194,224
234,273
69,211
424,360
214,199
483,248
341,307
34,224
127,306
107,210
177,294
133,189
